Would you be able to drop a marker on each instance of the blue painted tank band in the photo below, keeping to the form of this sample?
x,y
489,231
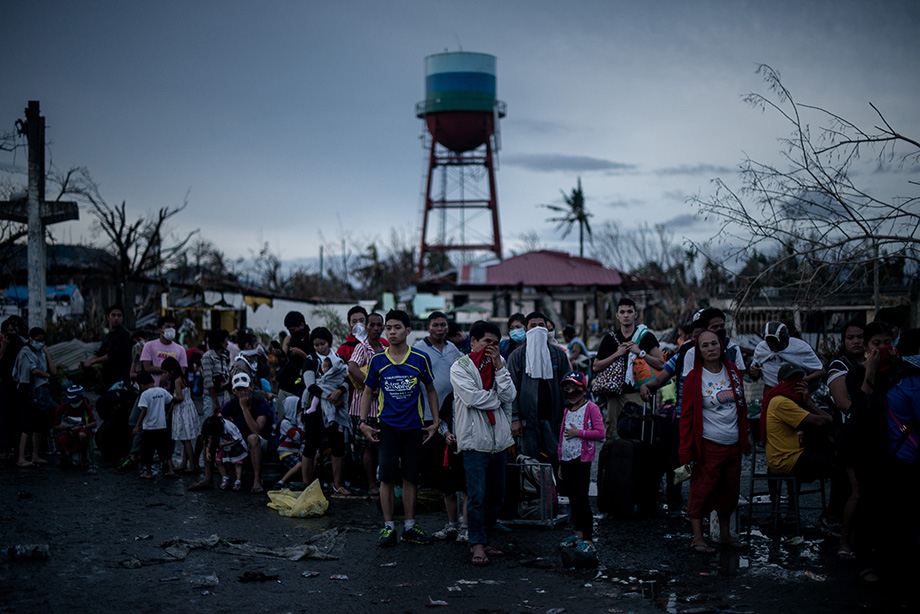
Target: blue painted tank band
x,y
458,81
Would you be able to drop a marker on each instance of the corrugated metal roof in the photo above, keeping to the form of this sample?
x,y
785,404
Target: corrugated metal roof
x,y
551,268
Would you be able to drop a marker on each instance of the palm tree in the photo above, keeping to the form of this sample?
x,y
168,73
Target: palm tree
x,y
574,212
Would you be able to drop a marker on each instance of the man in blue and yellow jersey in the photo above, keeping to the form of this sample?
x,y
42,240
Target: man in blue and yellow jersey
x,y
396,376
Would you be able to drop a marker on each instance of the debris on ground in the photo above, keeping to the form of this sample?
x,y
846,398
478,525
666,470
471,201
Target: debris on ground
x,y
317,547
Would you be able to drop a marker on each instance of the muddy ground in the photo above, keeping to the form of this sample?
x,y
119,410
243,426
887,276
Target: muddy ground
x,y
95,523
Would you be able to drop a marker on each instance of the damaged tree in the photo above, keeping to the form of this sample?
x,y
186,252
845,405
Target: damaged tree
x,y
829,233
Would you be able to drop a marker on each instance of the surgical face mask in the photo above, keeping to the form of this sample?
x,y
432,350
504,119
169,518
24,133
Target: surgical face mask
x,y
38,345
518,335
169,334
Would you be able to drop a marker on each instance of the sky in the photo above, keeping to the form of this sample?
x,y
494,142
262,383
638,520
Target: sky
x,y
293,123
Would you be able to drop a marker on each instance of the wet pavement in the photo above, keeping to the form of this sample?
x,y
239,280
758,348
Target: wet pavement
x,y
96,525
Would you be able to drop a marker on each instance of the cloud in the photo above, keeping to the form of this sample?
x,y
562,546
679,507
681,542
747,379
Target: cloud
x,y
619,204
683,221
560,162
537,126
698,169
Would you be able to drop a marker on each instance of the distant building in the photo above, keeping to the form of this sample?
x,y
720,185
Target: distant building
x,y
64,301
569,289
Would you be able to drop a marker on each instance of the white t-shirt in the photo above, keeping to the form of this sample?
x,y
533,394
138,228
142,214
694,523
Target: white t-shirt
x,y
571,448
797,352
155,400
720,415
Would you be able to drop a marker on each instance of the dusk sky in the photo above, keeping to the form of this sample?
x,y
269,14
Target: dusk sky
x,y
288,121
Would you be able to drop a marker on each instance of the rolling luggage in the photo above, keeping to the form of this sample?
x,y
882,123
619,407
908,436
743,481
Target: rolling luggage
x,y
629,469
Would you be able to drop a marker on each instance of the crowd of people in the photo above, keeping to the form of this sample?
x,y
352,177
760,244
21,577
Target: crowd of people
x,y
451,409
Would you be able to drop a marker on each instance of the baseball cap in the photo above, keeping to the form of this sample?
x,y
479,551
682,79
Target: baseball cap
x,y
74,393
776,330
576,377
790,371
241,380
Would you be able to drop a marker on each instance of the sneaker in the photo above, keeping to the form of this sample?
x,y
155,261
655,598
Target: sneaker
x,y
387,537
224,482
569,542
279,485
586,547
238,485
463,535
416,535
448,532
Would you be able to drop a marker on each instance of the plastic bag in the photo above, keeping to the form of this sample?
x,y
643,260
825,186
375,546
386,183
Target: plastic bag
x,y
310,502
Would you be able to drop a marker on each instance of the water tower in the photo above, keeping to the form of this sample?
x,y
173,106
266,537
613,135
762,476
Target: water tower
x,y
461,115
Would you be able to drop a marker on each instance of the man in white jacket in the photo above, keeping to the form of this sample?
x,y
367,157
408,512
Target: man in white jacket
x,y
483,393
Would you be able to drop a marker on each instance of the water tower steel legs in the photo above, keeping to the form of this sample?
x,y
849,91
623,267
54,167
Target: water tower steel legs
x,y
449,158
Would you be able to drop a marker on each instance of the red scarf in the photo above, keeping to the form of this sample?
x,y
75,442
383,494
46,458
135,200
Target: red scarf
x,y
487,373
786,389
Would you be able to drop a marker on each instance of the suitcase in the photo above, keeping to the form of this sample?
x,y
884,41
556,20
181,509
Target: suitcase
x,y
630,468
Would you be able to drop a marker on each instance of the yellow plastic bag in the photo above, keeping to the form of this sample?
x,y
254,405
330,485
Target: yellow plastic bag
x,y
310,502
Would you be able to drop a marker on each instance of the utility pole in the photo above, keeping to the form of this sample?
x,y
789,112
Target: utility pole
x,y
36,212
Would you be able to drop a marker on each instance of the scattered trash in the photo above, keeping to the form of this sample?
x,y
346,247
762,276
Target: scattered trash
x,y
467,581
310,574
310,502
170,579
433,603
541,591
587,585
453,589
393,564
338,576
256,576
203,581
143,537
317,547
813,576
22,552
205,593
795,541
704,573
555,611
743,563
403,585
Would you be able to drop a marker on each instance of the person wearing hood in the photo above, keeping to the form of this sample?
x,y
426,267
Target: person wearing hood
x,y
74,423
536,370
779,347
158,350
483,396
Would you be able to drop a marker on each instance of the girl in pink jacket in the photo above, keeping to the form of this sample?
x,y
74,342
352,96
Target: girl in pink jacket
x,y
582,428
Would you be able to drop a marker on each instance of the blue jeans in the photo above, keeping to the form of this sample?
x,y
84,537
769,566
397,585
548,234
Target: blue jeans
x,y
485,491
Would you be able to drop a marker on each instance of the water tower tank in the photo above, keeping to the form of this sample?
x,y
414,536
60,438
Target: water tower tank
x,y
460,105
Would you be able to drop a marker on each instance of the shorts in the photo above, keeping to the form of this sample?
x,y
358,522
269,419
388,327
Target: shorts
x,y
400,452
361,441
290,460
314,433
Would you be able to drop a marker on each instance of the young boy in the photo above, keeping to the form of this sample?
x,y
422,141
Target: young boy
x,y
74,423
32,371
395,376
155,403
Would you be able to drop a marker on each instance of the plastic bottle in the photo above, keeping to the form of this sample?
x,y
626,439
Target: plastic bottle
x,y
28,551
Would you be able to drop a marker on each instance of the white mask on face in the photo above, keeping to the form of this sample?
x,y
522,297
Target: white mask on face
x,y
169,334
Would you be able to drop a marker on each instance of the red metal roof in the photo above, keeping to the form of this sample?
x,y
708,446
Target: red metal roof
x,y
551,268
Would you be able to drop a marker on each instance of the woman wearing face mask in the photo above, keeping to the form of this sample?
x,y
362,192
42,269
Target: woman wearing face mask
x,y
713,435
582,428
517,335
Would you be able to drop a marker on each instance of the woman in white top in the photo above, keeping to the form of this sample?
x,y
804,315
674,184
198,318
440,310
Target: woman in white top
x,y
713,435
